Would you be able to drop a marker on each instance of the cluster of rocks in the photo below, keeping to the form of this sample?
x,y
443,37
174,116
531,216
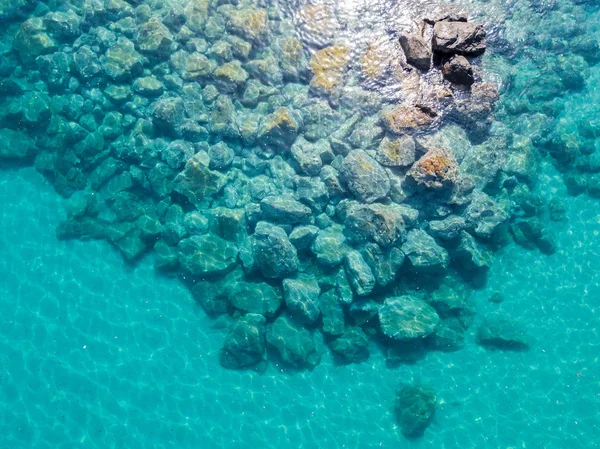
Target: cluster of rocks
x,y
207,134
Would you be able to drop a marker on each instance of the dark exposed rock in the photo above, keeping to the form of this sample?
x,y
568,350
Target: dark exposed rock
x,y
464,38
458,70
416,50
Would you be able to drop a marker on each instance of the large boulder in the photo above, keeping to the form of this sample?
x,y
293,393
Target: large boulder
x,y
462,38
295,344
285,209
484,216
302,298
154,38
396,152
379,223
121,62
424,253
458,70
407,118
502,332
278,130
406,318
245,344
274,254
197,182
365,178
415,405
384,263
416,50
206,255
328,67
254,297
330,247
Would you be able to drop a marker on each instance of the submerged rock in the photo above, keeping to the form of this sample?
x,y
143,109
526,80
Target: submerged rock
x,y
254,297
366,179
207,255
302,298
415,406
274,254
328,67
406,318
359,273
245,343
380,223
502,332
295,344
424,254
352,346
436,169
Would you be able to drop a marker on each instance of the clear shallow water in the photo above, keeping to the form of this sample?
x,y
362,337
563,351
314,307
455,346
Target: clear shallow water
x,y
96,354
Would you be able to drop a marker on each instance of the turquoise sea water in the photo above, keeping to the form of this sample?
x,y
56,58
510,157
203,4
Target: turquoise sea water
x,y
99,353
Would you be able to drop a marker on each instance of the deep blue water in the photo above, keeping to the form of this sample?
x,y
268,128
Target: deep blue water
x,y
99,353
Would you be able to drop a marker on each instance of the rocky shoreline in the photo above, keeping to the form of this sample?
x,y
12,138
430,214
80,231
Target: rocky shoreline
x,y
254,160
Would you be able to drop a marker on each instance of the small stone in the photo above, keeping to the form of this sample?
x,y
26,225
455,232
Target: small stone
x,y
415,405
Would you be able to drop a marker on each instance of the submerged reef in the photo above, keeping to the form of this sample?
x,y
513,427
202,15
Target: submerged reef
x,y
268,167
264,172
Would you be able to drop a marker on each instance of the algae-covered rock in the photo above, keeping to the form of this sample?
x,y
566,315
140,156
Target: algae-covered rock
x,y
352,346
191,66
396,152
197,182
251,24
365,178
274,254
121,62
295,344
424,253
32,40
309,156
415,405
407,117
154,38
328,66
379,223
502,332
254,297
245,344
484,215
206,255
279,129
302,298
230,76
436,169
406,318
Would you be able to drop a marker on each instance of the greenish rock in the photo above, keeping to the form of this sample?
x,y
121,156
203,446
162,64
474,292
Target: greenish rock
x,y
308,157
32,109
15,145
301,297
150,228
500,331
207,255
221,50
406,318
448,301
197,182
449,335
32,40
191,66
118,93
383,263
229,224
302,236
168,114
132,246
447,229
266,70
196,13
313,192
484,216
294,343
365,178
332,313
352,346
424,254
279,130
255,297
415,406
223,118
148,86
251,24
330,247
471,255
177,153
359,273
230,76
64,26
112,125
154,38
245,344
274,254
121,62
221,156
214,295
396,152
165,256
364,311
379,223
285,209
